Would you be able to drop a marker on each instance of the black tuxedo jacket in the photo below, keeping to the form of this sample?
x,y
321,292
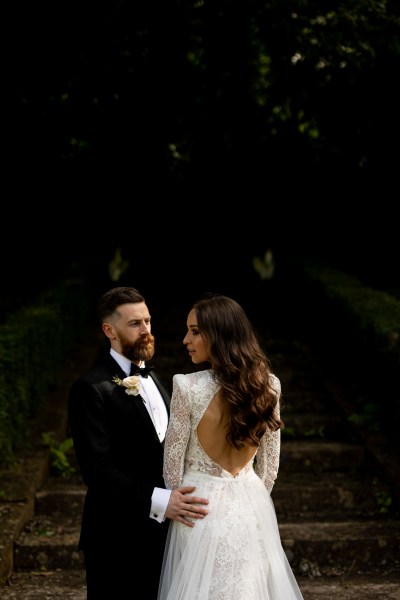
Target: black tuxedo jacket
x,y
121,461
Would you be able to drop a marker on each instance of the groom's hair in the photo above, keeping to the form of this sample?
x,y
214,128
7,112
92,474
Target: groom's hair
x,y
109,302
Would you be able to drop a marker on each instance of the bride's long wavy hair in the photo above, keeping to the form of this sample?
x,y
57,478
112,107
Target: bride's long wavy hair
x,y
241,367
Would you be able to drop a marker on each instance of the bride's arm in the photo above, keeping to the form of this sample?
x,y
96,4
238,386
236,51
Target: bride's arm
x,y
268,453
178,433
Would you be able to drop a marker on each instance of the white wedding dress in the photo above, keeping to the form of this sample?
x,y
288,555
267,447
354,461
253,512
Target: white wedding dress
x,y
235,552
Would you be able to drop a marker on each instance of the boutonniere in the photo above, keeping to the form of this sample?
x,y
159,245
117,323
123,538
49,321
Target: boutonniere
x,y
132,384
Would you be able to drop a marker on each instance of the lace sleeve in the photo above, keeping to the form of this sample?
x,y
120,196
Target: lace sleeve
x,y
267,458
178,433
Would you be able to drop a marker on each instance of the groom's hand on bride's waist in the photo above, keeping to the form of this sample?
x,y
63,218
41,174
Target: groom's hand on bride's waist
x,y
183,507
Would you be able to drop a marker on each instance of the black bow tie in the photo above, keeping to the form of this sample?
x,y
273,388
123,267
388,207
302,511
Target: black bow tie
x,y
143,372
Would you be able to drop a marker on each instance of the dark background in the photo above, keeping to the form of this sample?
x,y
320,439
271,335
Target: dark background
x,y
195,136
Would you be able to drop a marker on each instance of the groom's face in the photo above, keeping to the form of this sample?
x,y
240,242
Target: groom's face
x,y
133,332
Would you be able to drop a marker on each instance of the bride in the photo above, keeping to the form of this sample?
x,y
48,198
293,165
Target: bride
x,y
224,438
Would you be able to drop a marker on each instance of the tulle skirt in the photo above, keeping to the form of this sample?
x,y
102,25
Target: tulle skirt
x,y
235,552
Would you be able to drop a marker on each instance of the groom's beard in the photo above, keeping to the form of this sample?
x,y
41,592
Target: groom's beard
x,y
140,349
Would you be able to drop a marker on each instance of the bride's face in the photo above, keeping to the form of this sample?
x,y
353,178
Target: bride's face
x,y
194,341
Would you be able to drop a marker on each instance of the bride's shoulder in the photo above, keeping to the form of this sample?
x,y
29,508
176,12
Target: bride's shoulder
x,y
275,383
195,377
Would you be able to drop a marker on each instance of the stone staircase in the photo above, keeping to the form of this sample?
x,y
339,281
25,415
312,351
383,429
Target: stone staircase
x,y
339,524
334,503
49,541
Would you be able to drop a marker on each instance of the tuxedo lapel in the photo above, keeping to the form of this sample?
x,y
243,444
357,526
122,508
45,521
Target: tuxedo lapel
x,y
114,367
139,403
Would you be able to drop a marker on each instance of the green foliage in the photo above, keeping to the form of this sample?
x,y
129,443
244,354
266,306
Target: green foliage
x,y
45,533
374,313
384,501
59,452
288,432
299,83
315,432
34,340
368,417
359,328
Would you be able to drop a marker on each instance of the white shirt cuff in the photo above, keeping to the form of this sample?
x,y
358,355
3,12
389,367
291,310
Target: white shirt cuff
x,y
159,503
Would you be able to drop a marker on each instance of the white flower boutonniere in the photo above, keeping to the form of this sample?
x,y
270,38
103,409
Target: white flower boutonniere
x,y
132,384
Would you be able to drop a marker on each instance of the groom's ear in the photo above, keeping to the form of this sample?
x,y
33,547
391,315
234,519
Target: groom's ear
x,y
108,330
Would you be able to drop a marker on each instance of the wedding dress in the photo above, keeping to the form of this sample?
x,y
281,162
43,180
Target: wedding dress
x,y
235,552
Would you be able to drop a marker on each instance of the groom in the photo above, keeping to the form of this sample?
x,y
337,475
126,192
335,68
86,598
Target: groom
x,y
118,427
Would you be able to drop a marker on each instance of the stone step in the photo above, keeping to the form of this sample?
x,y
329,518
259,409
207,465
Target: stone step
x,y
70,585
329,495
43,554
377,587
47,545
331,499
359,546
60,499
317,456
292,500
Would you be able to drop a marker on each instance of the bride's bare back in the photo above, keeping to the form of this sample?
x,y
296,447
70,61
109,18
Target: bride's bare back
x,y
211,433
